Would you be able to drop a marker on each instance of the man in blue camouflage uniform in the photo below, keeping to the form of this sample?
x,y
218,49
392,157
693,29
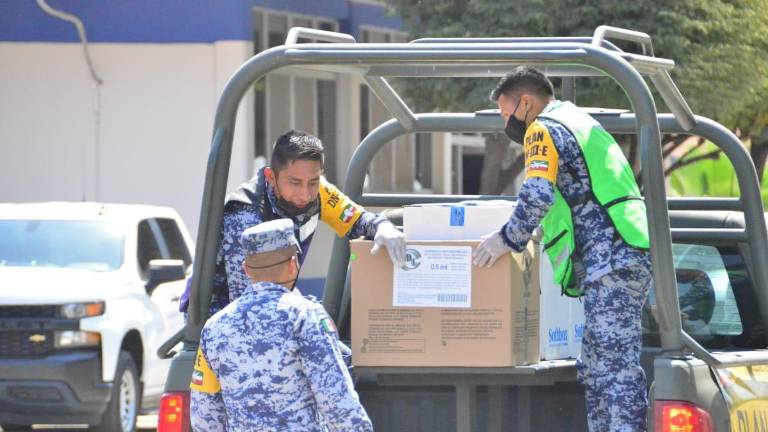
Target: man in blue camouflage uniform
x,y
269,361
291,187
615,276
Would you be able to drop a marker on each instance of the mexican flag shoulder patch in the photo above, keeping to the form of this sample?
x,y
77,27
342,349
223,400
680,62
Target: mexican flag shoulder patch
x,y
328,325
347,214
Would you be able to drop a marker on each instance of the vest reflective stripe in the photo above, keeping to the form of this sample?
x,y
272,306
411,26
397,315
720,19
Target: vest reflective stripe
x,y
613,187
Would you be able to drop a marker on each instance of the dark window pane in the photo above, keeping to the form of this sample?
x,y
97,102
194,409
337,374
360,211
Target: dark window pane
x,y
258,27
365,111
327,26
277,29
259,93
424,159
177,248
260,118
148,249
326,124
301,22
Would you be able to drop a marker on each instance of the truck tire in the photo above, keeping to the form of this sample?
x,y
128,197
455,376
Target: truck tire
x,y
123,408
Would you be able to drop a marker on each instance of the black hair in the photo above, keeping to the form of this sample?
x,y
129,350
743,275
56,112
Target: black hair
x,y
524,78
296,145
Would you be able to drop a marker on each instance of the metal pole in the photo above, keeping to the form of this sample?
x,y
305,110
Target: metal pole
x,y
649,138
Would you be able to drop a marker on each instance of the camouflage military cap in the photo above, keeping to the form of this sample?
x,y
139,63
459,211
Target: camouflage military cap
x,y
268,237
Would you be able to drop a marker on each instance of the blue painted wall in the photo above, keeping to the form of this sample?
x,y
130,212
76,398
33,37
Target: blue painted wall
x,y
172,21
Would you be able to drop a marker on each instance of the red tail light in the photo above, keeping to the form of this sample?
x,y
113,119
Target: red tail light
x,y
174,413
679,416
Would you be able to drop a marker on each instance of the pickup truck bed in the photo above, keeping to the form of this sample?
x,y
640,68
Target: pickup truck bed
x,y
540,397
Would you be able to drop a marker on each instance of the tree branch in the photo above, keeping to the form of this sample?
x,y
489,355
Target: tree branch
x,y
670,146
685,162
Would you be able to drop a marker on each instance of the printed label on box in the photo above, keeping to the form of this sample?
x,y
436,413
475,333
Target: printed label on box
x,y
434,276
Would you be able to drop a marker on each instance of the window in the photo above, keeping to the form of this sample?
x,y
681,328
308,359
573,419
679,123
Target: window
x,y
717,302
76,244
326,124
277,29
148,248
259,91
160,239
394,167
174,241
424,160
365,111
293,98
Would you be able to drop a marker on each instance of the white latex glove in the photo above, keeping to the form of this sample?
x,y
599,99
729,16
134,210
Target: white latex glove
x,y
391,238
489,250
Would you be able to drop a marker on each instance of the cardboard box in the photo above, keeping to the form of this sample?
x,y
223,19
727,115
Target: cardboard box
x,y
500,328
461,221
561,318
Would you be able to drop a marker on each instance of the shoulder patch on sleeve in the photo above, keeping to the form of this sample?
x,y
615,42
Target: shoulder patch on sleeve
x,y
204,379
541,156
336,209
327,325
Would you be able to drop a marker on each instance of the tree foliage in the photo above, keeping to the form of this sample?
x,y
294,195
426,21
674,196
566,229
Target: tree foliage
x,y
719,47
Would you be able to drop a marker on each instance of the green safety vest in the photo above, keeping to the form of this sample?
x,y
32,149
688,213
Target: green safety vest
x,y
613,186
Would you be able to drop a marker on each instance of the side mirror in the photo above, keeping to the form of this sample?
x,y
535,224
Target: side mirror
x,y
162,271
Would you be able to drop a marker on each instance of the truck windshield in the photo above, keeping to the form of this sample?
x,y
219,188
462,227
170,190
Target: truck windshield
x,y
92,245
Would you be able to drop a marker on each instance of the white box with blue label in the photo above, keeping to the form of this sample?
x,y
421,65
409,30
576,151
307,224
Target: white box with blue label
x,y
468,220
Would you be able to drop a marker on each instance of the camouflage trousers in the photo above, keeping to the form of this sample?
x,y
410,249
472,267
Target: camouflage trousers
x,y
609,365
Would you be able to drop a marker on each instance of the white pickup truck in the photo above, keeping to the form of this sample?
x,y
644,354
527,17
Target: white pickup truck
x,y
88,292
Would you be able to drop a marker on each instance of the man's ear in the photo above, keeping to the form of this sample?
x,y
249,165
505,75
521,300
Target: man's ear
x,y
526,102
295,263
269,173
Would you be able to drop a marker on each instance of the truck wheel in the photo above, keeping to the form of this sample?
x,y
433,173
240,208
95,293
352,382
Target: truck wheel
x,y
123,408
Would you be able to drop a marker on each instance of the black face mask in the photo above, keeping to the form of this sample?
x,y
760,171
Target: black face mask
x,y
515,129
290,209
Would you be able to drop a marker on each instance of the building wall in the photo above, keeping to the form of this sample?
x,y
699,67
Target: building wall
x,y
143,135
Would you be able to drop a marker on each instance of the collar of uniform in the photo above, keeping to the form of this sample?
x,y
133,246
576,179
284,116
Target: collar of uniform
x,y
273,202
266,286
552,105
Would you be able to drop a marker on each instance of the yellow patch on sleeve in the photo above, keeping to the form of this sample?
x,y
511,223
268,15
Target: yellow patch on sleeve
x,y
203,378
540,153
336,209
